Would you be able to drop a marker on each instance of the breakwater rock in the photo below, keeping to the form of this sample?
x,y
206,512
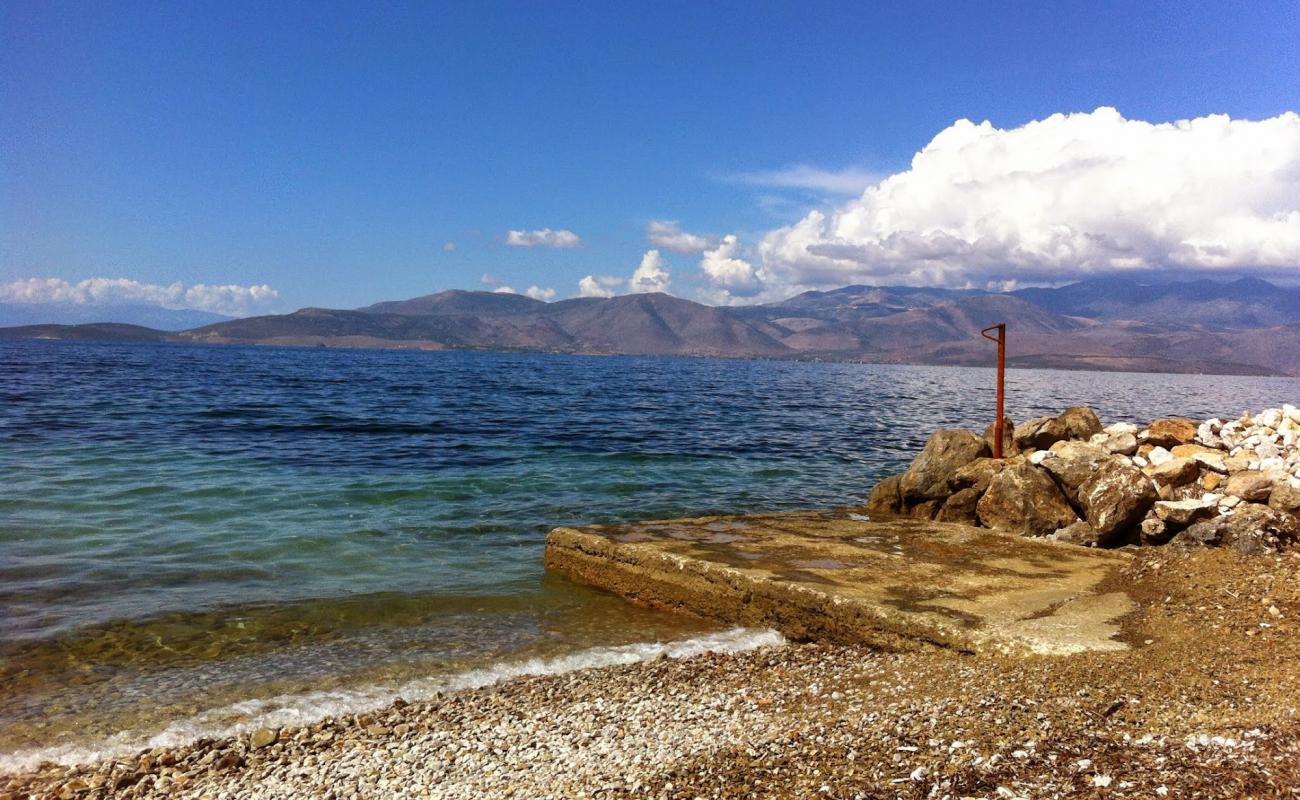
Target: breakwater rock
x,y
1176,482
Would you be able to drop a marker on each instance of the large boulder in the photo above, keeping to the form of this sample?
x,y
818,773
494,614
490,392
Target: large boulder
x,y
1115,498
1023,499
1179,472
1039,433
1169,432
1252,529
978,473
1285,497
961,507
1080,422
1073,463
1008,436
1252,486
930,476
885,499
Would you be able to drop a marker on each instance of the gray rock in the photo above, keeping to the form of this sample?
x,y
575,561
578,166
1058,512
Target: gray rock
x,y
1116,498
1080,422
1252,486
1252,529
1025,500
930,475
961,507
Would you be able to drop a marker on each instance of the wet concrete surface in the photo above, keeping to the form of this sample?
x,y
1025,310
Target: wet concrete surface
x,y
840,576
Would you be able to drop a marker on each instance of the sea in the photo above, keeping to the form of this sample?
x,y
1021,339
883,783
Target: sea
x,y
199,540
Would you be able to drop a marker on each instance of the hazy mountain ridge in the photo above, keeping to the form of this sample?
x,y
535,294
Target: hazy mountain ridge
x,y
148,316
1246,326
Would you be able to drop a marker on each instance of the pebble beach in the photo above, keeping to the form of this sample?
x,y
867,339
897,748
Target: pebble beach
x,y
1204,704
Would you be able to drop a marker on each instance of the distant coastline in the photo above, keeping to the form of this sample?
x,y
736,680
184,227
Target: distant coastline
x,y
1247,327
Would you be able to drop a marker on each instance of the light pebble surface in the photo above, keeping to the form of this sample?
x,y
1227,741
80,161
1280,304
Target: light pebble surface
x,y
1204,704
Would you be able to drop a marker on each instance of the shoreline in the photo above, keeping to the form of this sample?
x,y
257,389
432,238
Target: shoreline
x,y
1255,371
310,707
1206,705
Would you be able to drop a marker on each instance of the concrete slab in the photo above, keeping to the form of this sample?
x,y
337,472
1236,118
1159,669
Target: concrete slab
x,y
837,576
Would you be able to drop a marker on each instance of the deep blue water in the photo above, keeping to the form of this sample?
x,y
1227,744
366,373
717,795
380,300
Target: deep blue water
x,y
263,512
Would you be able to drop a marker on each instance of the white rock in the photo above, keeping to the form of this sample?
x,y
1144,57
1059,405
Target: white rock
x,y
1121,427
1159,455
1139,461
1230,501
1212,461
1039,456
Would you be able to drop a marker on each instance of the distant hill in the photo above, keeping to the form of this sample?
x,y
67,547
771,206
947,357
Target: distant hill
x,y
164,319
1247,326
458,302
90,332
1239,305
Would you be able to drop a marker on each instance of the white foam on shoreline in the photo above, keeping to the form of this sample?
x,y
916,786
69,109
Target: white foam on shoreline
x,y
310,707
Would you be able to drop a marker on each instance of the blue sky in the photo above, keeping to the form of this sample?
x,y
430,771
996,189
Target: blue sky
x,y
333,151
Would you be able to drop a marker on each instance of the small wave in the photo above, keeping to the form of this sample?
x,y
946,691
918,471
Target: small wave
x,y
310,707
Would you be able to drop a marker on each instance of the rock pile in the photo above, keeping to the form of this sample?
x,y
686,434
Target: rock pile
x,y
1177,481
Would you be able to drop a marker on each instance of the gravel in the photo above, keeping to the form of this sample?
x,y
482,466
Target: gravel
x,y
1203,705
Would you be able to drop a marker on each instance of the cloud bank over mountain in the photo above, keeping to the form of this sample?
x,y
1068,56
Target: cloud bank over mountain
x,y
1060,198
229,299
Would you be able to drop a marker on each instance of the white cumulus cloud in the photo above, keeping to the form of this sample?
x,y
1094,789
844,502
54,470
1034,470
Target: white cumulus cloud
x,y
228,299
1059,198
651,275
538,293
544,237
669,236
598,286
504,290
729,275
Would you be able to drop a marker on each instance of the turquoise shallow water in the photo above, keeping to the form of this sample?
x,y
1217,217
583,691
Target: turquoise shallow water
x,y
185,526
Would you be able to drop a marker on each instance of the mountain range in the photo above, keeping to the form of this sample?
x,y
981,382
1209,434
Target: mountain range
x,y
1247,326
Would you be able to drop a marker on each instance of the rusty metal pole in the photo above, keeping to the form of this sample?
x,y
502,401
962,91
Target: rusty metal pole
x,y
1001,328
